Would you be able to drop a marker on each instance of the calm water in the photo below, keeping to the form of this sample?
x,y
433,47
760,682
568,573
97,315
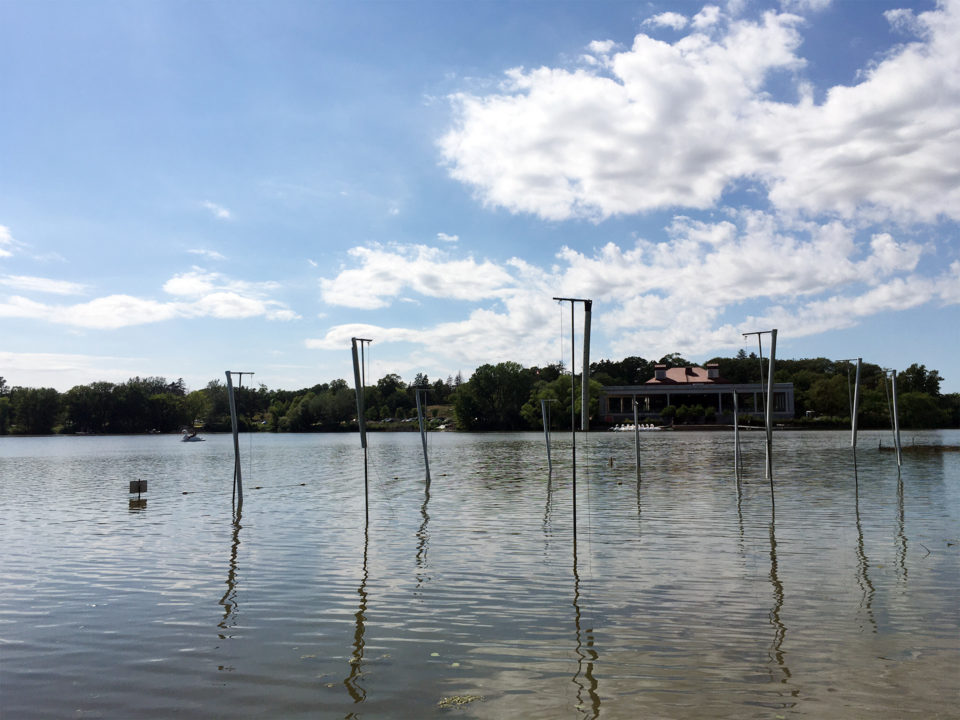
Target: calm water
x,y
681,597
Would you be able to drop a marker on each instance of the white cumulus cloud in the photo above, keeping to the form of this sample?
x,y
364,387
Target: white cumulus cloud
x,y
6,242
218,211
668,19
675,124
685,294
28,283
197,294
386,272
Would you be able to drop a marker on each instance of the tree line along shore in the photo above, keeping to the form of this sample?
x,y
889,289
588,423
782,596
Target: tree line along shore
x,y
502,396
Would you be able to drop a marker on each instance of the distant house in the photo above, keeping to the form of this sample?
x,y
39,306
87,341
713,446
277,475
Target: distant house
x,y
692,386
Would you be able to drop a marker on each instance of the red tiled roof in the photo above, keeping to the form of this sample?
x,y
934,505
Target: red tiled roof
x,y
687,375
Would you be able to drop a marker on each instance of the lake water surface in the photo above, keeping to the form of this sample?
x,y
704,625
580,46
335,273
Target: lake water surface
x,y
467,596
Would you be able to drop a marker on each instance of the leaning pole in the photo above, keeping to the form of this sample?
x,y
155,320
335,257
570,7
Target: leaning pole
x,y
896,418
359,381
237,477
769,412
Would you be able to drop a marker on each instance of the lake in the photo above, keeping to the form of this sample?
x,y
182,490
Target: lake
x,y
683,595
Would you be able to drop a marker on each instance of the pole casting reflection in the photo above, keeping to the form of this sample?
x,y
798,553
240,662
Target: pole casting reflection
x,y
352,682
584,678
229,599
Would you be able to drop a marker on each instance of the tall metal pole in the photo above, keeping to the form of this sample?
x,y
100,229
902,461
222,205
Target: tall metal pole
x,y
736,434
856,406
636,433
360,381
769,413
573,400
573,424
423,430
896,419
585,384
237,476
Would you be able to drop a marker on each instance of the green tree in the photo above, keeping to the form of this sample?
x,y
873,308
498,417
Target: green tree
x,y
829,396
35,410
920,410
674,360
917,379
6,413
89,408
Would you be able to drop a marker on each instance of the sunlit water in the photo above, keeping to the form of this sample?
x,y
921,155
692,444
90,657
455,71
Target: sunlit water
x,y
682,597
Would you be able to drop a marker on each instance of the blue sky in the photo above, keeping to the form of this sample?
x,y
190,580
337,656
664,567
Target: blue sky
x,y
189,187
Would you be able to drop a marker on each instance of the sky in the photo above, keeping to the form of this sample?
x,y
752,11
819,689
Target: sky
x,y
188,188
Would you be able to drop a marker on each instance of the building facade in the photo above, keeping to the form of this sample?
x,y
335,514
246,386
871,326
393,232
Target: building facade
x,y
692,386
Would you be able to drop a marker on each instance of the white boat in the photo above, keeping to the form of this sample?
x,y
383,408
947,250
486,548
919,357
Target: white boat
x,y
648,427
190,435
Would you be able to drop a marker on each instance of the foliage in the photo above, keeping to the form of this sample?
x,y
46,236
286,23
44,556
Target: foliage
x,y
493,398
504,396
35,410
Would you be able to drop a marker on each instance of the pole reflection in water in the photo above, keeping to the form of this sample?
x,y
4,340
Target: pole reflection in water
x,y
901,532
423,537
229,599
779,629
586,655
352,683
547,531
863,579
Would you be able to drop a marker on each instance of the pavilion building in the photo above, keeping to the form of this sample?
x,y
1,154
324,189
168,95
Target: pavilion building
x,y
692,386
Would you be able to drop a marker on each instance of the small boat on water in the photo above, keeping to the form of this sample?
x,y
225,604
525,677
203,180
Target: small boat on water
x,y
647,427
190,435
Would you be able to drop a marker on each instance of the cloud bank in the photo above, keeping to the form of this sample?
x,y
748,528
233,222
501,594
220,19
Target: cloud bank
x,y
653,297
675,124
197,294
